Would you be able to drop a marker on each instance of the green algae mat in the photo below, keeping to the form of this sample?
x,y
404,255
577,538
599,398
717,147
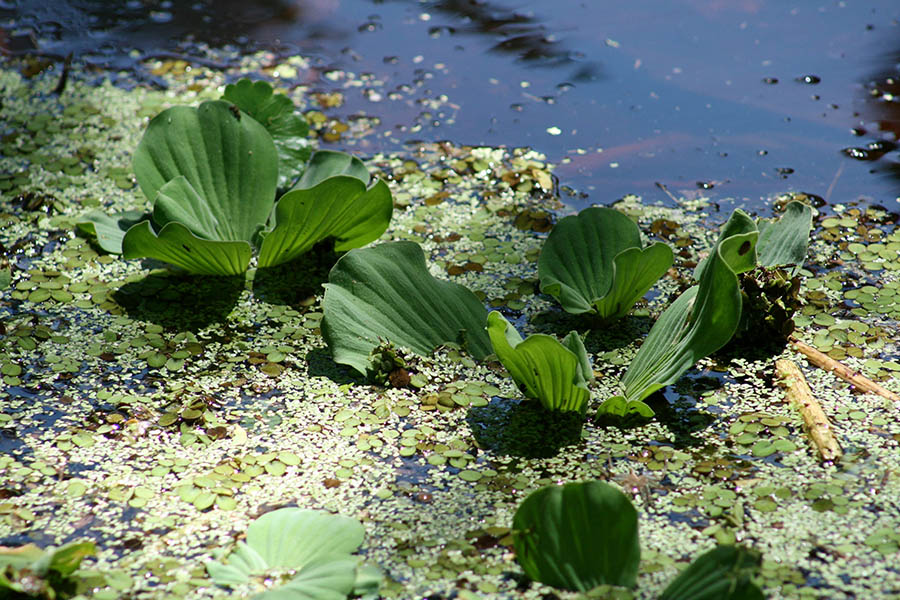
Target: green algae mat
x,y
157,415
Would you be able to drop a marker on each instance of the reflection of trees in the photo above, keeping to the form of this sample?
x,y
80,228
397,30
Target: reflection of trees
x,y
881,107
521,35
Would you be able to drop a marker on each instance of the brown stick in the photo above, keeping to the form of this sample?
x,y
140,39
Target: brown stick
x,y
823,361
815,423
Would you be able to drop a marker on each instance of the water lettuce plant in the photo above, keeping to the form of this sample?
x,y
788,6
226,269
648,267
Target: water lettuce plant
x,y
554,373
593,263
309,551
578,536
211,173
699,322
275,112
385,293
30,571
582,535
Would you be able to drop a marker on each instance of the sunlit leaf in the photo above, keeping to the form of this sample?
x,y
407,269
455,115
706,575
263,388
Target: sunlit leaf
x,y
386,293
593,262
545,369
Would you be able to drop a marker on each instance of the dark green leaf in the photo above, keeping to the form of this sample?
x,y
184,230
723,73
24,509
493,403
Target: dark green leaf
x,y
281,119
785,241
723,573
702,319
578,536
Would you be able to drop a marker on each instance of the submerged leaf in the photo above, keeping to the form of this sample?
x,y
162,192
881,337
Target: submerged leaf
x,y
554,373
386,293
702,319
578,536
593,262
277,113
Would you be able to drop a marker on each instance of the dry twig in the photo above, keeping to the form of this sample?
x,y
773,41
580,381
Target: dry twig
x,y
823,361
815,423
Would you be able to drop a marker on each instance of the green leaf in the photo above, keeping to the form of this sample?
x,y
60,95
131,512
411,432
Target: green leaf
x,y
702,319
277,113
723,573
386,293
340,207
593,262
5,278
67,558
316,544
578,536
109,229
328,580
176,245
785,241
210,173
554,373
618,406
328,163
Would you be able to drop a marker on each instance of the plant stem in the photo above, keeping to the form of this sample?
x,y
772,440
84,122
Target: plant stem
x,y
823,361
815,423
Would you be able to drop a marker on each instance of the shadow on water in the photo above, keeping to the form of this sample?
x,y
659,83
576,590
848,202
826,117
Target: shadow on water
x,y
185,302
320,364
523,428
297,282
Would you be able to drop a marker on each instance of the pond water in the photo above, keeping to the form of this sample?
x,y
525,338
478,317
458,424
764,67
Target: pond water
x,y
740,100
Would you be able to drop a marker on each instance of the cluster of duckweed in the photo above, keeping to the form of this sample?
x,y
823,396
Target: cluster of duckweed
x,y
160,421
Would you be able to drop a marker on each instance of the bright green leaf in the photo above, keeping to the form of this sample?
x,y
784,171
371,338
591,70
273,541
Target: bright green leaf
x,y
386,293
176,245
593,262
552,372
702,319
578,536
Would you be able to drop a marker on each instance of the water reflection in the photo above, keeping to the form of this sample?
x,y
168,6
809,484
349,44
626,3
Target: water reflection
x,y
881,112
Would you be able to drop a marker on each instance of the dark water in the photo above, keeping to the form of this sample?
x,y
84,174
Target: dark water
x,y
737,98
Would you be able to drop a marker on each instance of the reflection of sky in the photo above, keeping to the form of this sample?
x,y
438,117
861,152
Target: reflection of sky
x,y
655,91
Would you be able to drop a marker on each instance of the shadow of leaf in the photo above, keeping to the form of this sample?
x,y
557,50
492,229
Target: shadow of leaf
x,y
295,283
185,302
523,428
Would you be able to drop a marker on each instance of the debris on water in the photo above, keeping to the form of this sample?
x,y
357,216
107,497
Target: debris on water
x,y
809,79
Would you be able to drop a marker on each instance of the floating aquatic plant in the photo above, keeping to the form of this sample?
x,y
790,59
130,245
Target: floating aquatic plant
x,y
583,535
34,572
554,373
578,536
593,263
275,112
310,551
385,293
211,172
696,324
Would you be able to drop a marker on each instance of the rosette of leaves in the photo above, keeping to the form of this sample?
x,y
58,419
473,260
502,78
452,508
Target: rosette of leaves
x,y
309,552
211,173
554,373
386,294
35,573
699,322
583,536
593,263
